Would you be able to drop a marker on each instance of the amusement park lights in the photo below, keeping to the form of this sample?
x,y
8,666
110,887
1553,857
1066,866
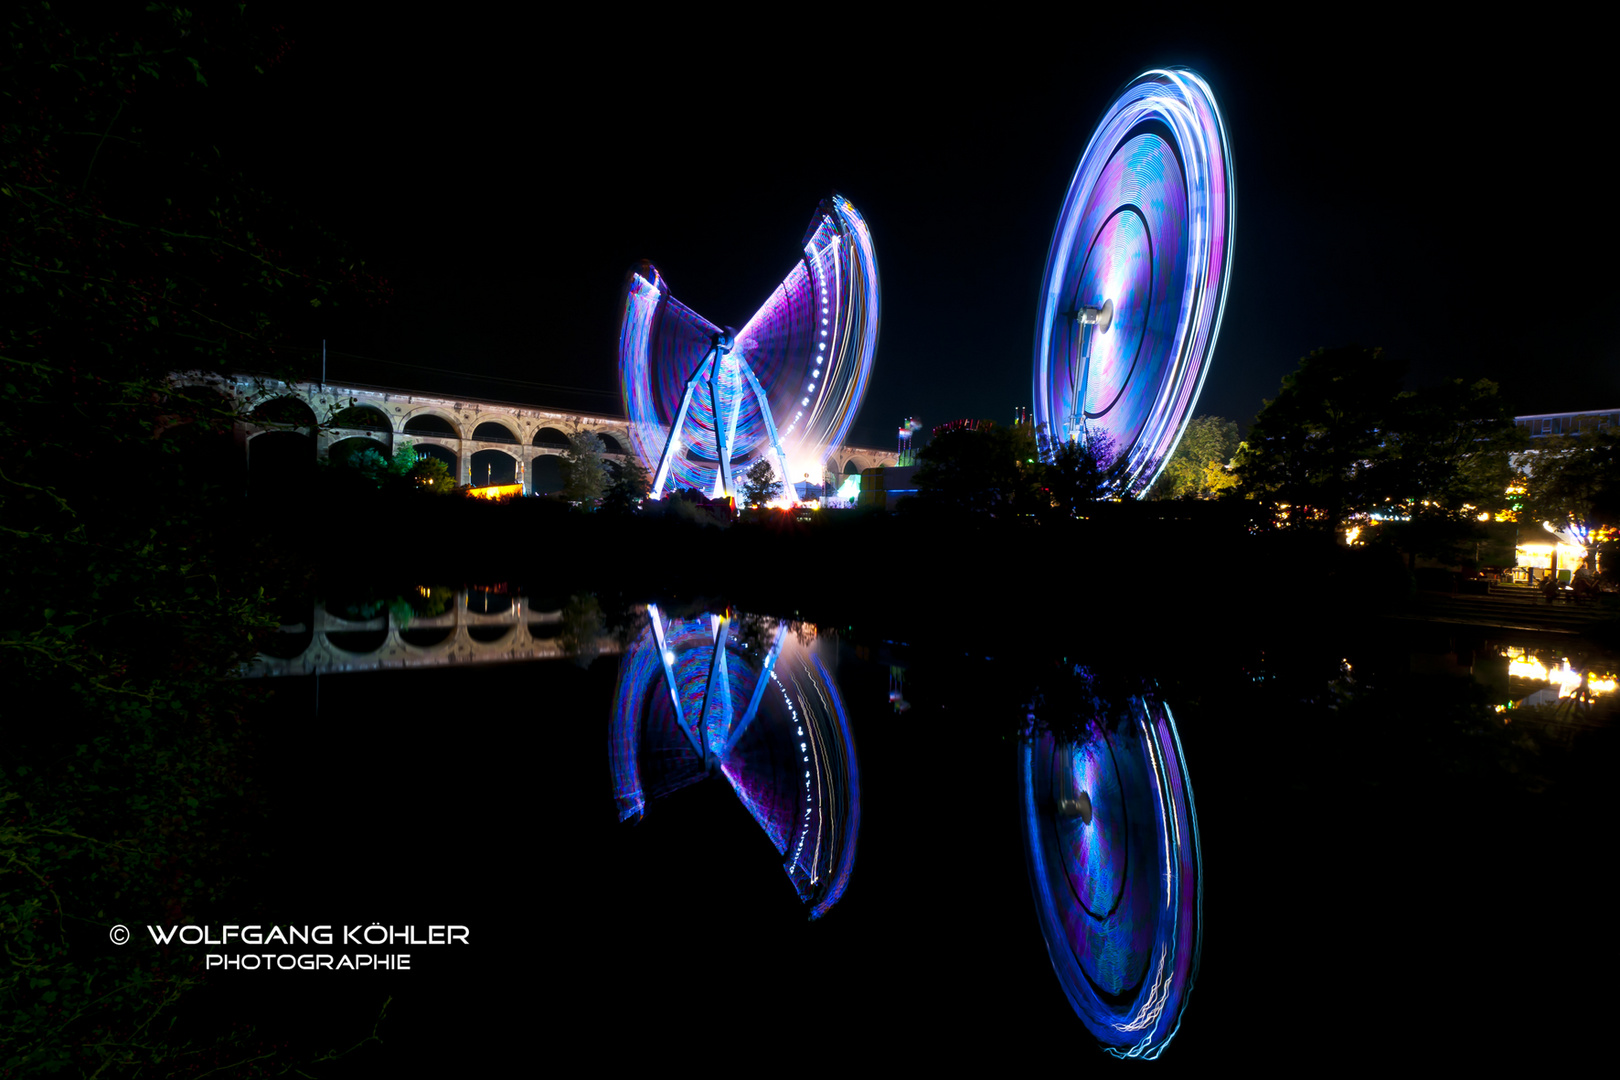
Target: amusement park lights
x,y
704,401
1136,275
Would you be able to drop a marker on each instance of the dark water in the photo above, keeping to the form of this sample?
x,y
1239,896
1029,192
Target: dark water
x,y
1384,873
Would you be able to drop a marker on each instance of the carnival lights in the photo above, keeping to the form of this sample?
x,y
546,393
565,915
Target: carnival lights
x,y
1111,839
704,401
696,699
1136,275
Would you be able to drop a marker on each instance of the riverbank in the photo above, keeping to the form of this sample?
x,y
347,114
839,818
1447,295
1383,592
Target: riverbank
x,y
1130,570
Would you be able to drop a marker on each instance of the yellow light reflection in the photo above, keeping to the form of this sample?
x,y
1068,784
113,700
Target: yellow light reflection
x,y
1561,675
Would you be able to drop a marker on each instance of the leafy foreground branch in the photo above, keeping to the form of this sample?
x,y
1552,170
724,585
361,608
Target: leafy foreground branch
x,y
126,745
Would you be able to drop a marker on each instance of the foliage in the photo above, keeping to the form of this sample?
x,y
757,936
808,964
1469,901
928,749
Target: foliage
x,y
130,254
430,476
1314,447
1075,473
582,628
407,471
1573,481
760,484
1198,465
1218,477
1344,439
584,472
980,470
630,485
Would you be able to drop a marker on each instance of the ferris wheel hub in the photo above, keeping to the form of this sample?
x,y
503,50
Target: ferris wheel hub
x,y
1100,317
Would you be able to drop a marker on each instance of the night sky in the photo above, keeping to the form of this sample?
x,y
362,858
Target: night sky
x,y
1444,196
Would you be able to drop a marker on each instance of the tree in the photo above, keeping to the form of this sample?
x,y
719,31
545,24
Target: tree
x,y
1075,472
584,473
430,475
630,485
977,469
131,253
760,484
407,471
1343,439
1208,441
1313,448
1572,482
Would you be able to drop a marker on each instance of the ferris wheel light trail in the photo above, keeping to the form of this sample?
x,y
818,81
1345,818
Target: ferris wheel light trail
x,y
1116,868
703,401
696,699
1136,275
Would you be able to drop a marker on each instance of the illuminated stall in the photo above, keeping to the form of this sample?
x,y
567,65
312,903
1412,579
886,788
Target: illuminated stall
x,y
1538,554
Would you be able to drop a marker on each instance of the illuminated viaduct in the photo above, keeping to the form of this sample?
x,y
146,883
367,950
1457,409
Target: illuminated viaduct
x,y
452,429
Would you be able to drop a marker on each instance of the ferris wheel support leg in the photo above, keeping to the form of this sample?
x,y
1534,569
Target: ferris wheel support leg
x,y
716,697
765,671
722,431
731,428
672,445
1091,320
691,733
770,425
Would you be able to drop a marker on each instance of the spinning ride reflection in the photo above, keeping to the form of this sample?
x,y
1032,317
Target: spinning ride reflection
x,y
752,702
1111,838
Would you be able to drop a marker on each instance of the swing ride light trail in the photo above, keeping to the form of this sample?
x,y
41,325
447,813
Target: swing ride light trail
x,y
704,402
697,699
1136,275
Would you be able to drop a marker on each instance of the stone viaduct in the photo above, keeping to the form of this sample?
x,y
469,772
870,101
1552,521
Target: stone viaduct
x,y
455,430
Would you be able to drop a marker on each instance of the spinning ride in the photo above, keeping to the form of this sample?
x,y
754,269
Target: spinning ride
x,y
752,703
704,400
1136,276
1111,839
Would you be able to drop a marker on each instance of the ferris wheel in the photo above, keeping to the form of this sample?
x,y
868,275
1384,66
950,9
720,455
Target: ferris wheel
x,y
705,401
1111,842
1136,276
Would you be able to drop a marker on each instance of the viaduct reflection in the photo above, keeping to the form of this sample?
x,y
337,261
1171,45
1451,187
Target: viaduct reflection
x,y
748,701
474,627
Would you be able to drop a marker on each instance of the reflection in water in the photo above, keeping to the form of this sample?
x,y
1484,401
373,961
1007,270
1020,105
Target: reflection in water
x,y
436,627
1112,843
1580,683
751,702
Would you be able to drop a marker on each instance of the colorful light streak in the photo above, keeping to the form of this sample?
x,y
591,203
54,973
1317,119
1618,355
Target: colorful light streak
x,y
806,353
694,701
1147,226
1111,839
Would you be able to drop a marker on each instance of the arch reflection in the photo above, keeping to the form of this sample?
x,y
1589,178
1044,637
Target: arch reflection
x,y
750,701
1111,839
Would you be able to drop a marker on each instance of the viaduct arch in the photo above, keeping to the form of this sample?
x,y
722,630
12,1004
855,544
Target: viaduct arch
x,y
396,418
